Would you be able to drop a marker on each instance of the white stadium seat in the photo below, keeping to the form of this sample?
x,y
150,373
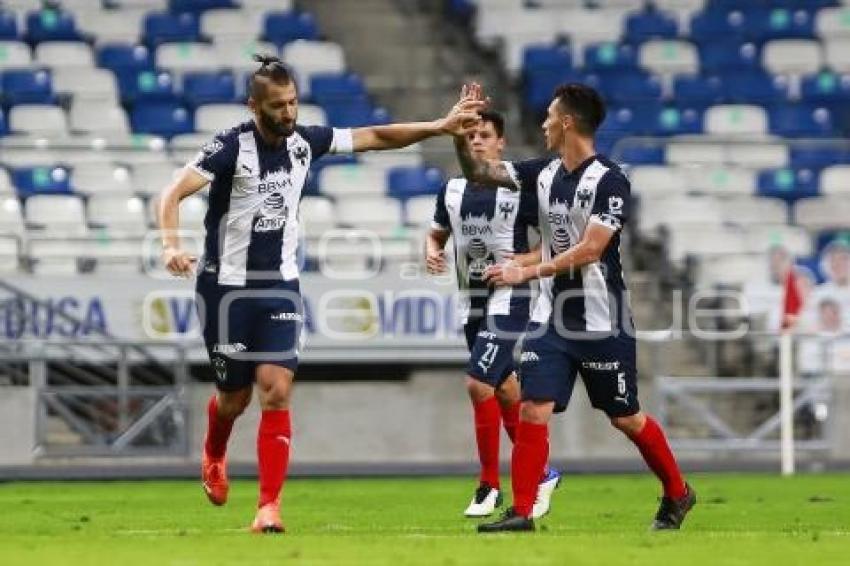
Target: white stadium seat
x,y
668,57
118,214
658,181
266,5
151,178
730,269
11,220
351,180
316,215
410,156
238,54
694,152
41,119
96,117
693,210
114,26
245,25
835,180
721,180
822,213
94,83
55,54
762,237
704,240
307,58
187,56
311,115
833,22
55,255
380,215
419,211
14,54
838,55
735,119
56,214
101,178
750,210
217,117
758,155
6,186
792,56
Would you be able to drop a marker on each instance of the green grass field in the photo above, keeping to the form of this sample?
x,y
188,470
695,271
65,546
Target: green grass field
x,y
741,519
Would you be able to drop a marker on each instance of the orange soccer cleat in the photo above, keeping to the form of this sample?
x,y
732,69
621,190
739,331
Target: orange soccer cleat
x,y
268,519
214,479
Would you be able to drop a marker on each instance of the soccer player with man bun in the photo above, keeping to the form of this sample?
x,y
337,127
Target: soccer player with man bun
x,y
581,323
488,227
247,286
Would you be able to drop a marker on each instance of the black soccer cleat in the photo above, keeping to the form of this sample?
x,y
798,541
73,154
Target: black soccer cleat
x,y
671,513
510,522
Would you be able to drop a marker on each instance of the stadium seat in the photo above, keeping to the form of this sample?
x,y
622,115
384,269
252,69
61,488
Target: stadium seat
x,y
54,213
787,184
657,181
124,57
4,127
283,27
355,114
38,119
90,83
51,25
419,211
341,181
585,26
150,179
625,86
316,215
725,56
825,213
650,24
327,88
676,121
680,210
835,180
781,22
833,22
695,152
92,116
539,86
199,6
101,178
162,27
229,24
747,210
801,120
641,154
757,155
754,87
143,86
792,56
406,182
379,215
65,54
736,119
610,55
166,119
237,54
818,156
410,156
762,237
704,241
546,58
115,26
311,115
14,55
193,209
208,88
838,55
722,180
826,87
214,118
699,90
8,25
41,180
717,26
26,86
11,220
669,57
308,58
119,214
6,186
187,56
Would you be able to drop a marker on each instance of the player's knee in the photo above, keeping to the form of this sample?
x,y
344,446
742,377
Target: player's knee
x,y
630,425
478,390
534,412
233,404
508,392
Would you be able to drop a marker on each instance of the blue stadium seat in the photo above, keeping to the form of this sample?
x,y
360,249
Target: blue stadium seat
x,y
828,237
540,86
354,114
698,90
25,86
725,55
198,6
674,121
547,58
406,182
162,27
801,120
780,23
205,88
124,57
326,88
30,181
626,86
754,87
818,156
146,86
4,128
650,23
640,154
787,184
718,26
51,25
283,27
603,56
825,87
8,25
166,119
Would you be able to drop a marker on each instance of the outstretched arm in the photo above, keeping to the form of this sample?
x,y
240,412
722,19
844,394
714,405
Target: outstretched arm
x,y
460,119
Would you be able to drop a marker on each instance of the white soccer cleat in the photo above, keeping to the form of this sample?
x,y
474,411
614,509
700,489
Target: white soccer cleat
x,y
484,502
544,493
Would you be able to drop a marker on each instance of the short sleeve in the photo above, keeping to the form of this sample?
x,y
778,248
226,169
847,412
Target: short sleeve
x,y
613,201
323,139
528,208
216,158
525,173
441,213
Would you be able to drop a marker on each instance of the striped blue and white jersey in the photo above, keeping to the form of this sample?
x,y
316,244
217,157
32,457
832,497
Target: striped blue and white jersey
x,y
487,226
252,220
591,298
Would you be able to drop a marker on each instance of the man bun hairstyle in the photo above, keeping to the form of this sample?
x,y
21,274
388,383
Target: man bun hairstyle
x,y
272,69
584,104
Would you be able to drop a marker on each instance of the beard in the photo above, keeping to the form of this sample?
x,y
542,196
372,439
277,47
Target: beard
x,y
276,127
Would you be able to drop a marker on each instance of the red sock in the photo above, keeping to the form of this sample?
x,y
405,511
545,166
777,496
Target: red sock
x,y
218,431
656,452
531,452
510,419
273,453
487,437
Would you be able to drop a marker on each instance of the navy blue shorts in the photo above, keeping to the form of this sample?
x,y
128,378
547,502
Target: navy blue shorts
x,y
245,327
491,341
549,364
